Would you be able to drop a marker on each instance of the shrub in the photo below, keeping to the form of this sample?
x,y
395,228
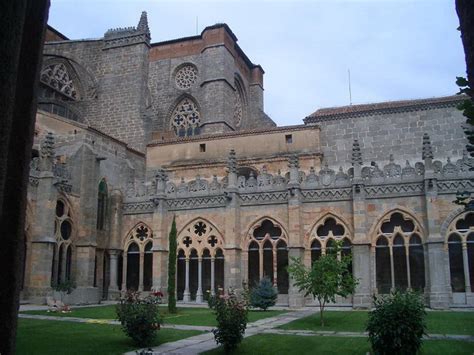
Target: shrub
x,y
66,286
263,295
212,299
231,315
139,317
397,324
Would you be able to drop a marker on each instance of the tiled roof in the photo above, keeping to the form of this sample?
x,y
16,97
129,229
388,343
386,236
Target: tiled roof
x,y
333,113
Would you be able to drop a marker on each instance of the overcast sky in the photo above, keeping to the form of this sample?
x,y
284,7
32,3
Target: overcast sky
x,y
395,50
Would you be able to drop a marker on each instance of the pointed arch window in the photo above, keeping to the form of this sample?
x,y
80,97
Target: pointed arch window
x,y
138,259
186,118
324,237
399,254
101,205
200,261
268,256
63,253
460,247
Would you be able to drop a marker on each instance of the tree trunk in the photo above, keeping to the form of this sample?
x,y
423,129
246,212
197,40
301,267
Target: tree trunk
x,y
21,42
321,312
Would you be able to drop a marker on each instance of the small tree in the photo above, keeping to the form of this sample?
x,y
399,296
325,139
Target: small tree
x,y
327,278
397,324
172,269
263,295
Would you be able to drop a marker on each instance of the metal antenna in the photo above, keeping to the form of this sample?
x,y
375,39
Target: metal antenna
x,y
350,93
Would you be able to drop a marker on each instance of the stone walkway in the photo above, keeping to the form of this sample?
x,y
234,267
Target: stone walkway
x,y
204,342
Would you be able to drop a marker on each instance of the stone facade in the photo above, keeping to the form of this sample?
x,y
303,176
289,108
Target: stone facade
x,y
131,134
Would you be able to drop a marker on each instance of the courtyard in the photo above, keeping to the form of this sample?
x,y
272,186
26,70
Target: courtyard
x,y
94,329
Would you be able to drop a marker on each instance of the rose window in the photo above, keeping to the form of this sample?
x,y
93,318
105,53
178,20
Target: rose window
x,y
186,77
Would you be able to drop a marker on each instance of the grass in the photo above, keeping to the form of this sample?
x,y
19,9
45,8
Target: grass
x,y
438,322
55,337
291,344
185,315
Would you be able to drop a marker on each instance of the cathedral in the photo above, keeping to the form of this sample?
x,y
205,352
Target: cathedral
x,y
131,134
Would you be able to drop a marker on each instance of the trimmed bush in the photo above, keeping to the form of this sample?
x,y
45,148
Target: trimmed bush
x,y
263,295
231,315
139,317
397,324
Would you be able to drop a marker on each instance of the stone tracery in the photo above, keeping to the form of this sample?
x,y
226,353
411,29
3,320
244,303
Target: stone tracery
x,y
186,118
200,260
57,77
186,76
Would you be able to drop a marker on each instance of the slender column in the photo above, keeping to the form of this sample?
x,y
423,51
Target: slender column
x,y
260,260
124,272
213,265
140,275
407,254
392,270
113,286
63,263
465,260
199,290
275,267
186,295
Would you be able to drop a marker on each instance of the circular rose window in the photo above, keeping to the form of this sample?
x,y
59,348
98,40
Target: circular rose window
x,y
186,77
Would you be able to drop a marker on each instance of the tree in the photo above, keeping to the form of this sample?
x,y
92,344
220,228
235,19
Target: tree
x,y
264,295
465,11
172,269
327,278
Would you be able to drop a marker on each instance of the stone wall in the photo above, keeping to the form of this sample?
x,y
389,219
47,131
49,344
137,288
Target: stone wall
x,y
399,134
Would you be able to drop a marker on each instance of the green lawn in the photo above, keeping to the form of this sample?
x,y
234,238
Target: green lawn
x,y
438,322
185,315
291,344
52,337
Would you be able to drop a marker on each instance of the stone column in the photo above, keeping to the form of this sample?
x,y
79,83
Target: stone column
x,y
141,268
296,245
199,290
233,234
161,230
43,239
392,269
186,294
437,287
407,254
465,259
124,272
213,265
113,285
295,299
361,254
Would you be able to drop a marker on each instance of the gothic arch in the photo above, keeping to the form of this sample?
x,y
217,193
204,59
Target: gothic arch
x,y
449,220
348,233
68,81
192,119
374,231
200,234
258,223
140,234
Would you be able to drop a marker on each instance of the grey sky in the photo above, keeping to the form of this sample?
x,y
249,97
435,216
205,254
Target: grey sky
x,y
394,49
